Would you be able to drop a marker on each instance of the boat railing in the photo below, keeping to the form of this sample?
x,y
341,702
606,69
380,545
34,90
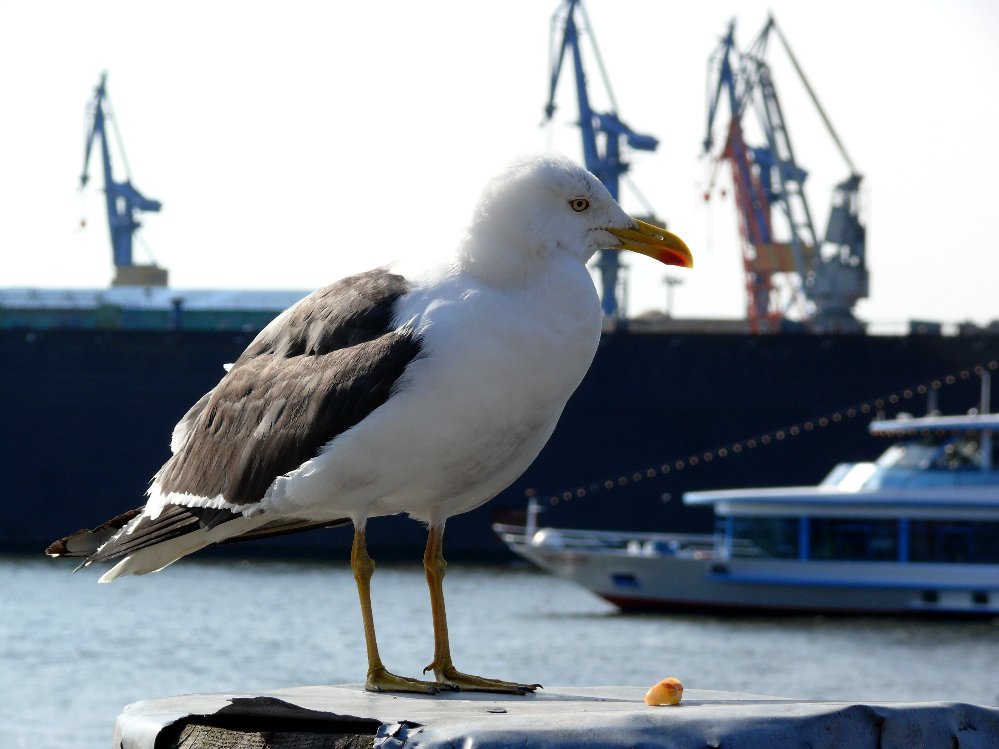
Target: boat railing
x,y
634,543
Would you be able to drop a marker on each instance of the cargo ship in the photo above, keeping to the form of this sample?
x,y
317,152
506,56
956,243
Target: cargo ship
x,y
87,414
92,381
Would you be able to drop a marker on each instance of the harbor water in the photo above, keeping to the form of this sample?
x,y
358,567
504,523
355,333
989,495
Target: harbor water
x,y
73,653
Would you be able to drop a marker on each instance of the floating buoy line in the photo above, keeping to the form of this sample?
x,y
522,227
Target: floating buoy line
x,y
781,434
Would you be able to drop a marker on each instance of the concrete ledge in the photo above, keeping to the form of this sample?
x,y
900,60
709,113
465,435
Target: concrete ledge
x,y
347,717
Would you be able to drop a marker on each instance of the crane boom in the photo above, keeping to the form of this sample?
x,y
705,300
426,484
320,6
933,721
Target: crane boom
x,y
604,134
122,200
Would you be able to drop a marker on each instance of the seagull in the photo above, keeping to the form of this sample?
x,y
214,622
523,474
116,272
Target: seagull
x,y
382,393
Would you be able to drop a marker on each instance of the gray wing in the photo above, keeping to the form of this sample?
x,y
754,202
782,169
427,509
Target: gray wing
x,y
317,370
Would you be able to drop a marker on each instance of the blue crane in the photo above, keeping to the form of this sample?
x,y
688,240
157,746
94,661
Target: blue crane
x,y
604,134
793,274
123,200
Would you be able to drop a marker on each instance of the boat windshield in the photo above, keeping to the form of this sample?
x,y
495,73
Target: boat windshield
x,y
908,455
955,453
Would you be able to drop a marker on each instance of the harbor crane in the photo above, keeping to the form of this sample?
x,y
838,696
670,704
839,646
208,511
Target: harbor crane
x,y
124,202
802,280
605,136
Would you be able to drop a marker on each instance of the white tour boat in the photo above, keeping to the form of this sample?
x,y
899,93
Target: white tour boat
x,y
916,532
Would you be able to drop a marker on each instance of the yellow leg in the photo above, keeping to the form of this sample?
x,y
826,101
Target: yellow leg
x,y
447,675
379,678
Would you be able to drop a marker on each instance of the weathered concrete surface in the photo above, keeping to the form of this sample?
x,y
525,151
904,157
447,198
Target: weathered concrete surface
x,y
558,717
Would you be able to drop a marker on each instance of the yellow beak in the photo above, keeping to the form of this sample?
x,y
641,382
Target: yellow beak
x,y
655,242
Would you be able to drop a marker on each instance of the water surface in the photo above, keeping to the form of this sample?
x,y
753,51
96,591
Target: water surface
x,y
73,653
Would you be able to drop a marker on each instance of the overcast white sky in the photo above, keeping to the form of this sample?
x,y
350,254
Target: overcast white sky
x,y
294,142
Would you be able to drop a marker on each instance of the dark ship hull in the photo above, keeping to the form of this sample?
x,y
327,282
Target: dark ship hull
x,y
87,417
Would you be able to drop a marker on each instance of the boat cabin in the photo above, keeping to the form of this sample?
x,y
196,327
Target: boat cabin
x,y
933,497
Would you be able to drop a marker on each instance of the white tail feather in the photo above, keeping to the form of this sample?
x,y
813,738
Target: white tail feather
x,y
156,557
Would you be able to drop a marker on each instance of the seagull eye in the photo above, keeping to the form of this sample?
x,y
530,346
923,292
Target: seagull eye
x,y
579,204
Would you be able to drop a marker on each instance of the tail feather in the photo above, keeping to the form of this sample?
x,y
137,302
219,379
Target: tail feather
x,y
146,545
159,554
156,555
143,532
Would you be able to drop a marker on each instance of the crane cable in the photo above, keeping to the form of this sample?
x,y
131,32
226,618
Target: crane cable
x,y
109,116
600,61
815,99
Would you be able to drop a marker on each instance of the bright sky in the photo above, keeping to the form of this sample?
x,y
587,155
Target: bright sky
x,y
294,142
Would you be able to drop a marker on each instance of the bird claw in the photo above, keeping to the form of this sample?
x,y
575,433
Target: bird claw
x,y
469,683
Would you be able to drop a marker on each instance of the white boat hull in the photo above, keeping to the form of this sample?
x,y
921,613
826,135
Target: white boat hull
x,y
700,582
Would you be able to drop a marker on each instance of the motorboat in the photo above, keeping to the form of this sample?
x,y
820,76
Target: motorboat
x,y
914,532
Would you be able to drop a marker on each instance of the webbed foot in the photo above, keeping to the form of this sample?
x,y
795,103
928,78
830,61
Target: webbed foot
x,y
382,680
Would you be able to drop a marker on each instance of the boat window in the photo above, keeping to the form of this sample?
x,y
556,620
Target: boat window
x,y
853,539
776,537
953,541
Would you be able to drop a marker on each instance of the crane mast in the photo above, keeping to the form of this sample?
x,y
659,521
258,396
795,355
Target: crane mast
x,y
803,279
605,136
123,201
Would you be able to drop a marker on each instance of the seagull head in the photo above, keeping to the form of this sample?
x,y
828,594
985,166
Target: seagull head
x,y
545,207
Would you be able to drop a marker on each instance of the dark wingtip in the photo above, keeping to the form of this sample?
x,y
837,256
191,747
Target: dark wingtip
x,y
85,542
60,548
80,544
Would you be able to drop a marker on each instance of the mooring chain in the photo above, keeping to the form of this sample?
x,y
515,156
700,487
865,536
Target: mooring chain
x,y
777,435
